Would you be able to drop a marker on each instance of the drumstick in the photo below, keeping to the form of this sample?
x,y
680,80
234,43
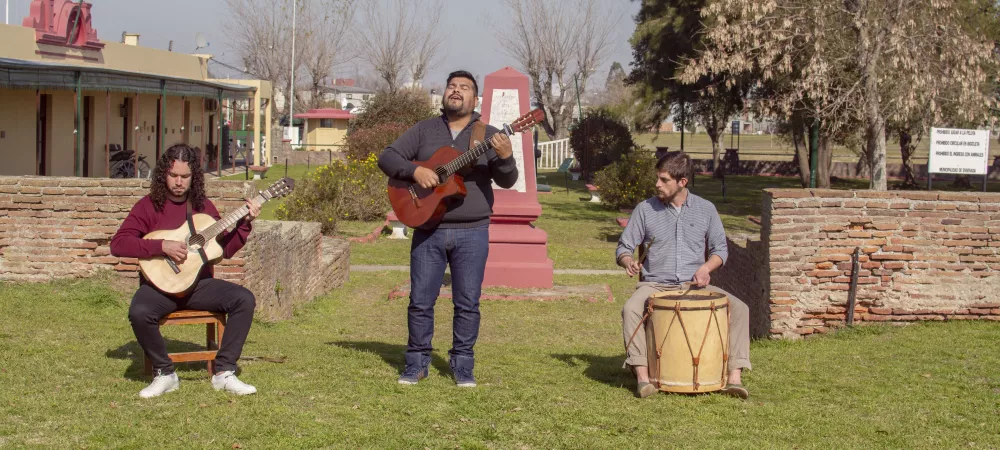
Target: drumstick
x,y
644,250
641,252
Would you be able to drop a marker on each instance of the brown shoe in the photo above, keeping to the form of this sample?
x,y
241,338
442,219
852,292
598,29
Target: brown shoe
x,y
645,389
736,390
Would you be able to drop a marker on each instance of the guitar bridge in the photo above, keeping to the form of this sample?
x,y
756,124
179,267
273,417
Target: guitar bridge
x,y
413,195
173,265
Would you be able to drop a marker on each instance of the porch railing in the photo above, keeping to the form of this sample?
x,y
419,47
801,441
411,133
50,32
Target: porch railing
x,y
554,153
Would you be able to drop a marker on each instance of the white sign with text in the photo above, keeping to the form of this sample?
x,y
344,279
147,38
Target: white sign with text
x,y
963,152
506,108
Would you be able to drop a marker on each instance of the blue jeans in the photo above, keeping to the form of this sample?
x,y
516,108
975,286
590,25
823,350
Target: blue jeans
x,y
465,250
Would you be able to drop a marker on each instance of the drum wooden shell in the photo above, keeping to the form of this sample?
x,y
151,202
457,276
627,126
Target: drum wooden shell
x,y
687,337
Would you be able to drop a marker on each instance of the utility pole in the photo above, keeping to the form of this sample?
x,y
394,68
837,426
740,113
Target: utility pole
x,y
813,152
291,87
579,111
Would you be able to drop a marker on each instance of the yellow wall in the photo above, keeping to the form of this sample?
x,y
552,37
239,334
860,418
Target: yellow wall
x,y
99,127
19,43
17,122
173,122
326,138
18,115
59,161
25,42
18,111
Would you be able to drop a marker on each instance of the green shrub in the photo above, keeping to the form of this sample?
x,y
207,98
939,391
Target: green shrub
x,y
405,107
351,190
364,142
628,181
600,139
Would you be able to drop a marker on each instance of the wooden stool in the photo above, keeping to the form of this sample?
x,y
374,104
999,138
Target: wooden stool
x,y
215,325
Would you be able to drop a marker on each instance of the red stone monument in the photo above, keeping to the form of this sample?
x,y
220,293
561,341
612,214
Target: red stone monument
x,y
518,250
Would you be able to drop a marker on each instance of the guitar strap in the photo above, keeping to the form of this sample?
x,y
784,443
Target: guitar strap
x,y
478,133
190,221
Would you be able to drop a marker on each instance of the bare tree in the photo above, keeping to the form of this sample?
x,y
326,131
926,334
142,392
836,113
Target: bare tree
x,y
399,38
327,23
428,41
555,42
261,34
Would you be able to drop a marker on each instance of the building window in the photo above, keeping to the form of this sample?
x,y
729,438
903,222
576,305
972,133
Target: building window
x,y
364,97
326,123
349,97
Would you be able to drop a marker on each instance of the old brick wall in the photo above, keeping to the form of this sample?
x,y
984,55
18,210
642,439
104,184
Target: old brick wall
x,y
61,226
290,263
58,227
285,153
745,275
924,256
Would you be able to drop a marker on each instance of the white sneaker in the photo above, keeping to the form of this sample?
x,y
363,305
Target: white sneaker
x,y
161,384
227,380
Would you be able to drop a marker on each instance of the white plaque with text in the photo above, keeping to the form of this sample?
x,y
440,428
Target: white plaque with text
x,y
505,108
963,152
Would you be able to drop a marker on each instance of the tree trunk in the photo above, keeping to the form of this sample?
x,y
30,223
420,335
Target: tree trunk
x,y
906,149
713,134
876,150
962,181
801,149
825,163
864,165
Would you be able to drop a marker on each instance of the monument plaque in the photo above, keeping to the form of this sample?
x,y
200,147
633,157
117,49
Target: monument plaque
x,y
518,250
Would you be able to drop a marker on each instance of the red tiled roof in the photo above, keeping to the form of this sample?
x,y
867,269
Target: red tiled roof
x,y
325,113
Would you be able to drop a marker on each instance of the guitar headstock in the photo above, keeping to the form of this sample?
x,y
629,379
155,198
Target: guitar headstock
x,y
528,120
280,188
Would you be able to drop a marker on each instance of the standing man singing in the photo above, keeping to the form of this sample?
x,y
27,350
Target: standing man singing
x,y
461,238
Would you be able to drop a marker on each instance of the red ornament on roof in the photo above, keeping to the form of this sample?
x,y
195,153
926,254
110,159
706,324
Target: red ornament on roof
x,y
63,22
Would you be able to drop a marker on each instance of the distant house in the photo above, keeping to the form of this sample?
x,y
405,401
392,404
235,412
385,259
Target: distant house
x,y
325,128
345,92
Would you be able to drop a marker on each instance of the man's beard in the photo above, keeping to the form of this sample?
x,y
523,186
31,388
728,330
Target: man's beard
x,y
452,109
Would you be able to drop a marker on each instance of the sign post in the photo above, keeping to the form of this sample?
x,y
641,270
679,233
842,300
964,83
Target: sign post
x,y
735,132
959,152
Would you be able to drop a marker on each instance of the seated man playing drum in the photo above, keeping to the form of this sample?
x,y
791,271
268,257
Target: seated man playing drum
x,y
676,225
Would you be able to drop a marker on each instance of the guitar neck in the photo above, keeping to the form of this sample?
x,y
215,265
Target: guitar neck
x,y
469,156
222,224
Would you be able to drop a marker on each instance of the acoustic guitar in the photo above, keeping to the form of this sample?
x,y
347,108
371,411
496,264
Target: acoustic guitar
x,y
416,206
178,279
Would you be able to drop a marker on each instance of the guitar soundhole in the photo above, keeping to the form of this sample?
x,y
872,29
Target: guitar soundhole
x,y
196,240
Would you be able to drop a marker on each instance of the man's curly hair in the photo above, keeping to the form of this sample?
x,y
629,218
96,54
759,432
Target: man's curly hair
x,y
179,152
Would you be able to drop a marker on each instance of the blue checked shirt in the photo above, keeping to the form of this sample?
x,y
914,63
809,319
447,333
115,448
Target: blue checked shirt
x,y
682,236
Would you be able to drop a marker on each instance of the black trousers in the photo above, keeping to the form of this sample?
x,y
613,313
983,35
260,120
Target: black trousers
x,y
150,305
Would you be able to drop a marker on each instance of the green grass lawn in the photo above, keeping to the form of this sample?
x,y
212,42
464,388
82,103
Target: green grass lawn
x,y
549,372
582,235
275,173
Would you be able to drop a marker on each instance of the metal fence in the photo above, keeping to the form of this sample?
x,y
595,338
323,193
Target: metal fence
x,y
554,153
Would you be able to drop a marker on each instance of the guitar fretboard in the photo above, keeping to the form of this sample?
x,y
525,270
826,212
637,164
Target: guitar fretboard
x,y
465,158
233,217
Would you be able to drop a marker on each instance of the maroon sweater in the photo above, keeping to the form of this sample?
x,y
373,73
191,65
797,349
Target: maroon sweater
x,y
144,219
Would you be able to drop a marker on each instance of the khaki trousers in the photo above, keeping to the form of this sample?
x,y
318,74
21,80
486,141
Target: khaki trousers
x,y
635,307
